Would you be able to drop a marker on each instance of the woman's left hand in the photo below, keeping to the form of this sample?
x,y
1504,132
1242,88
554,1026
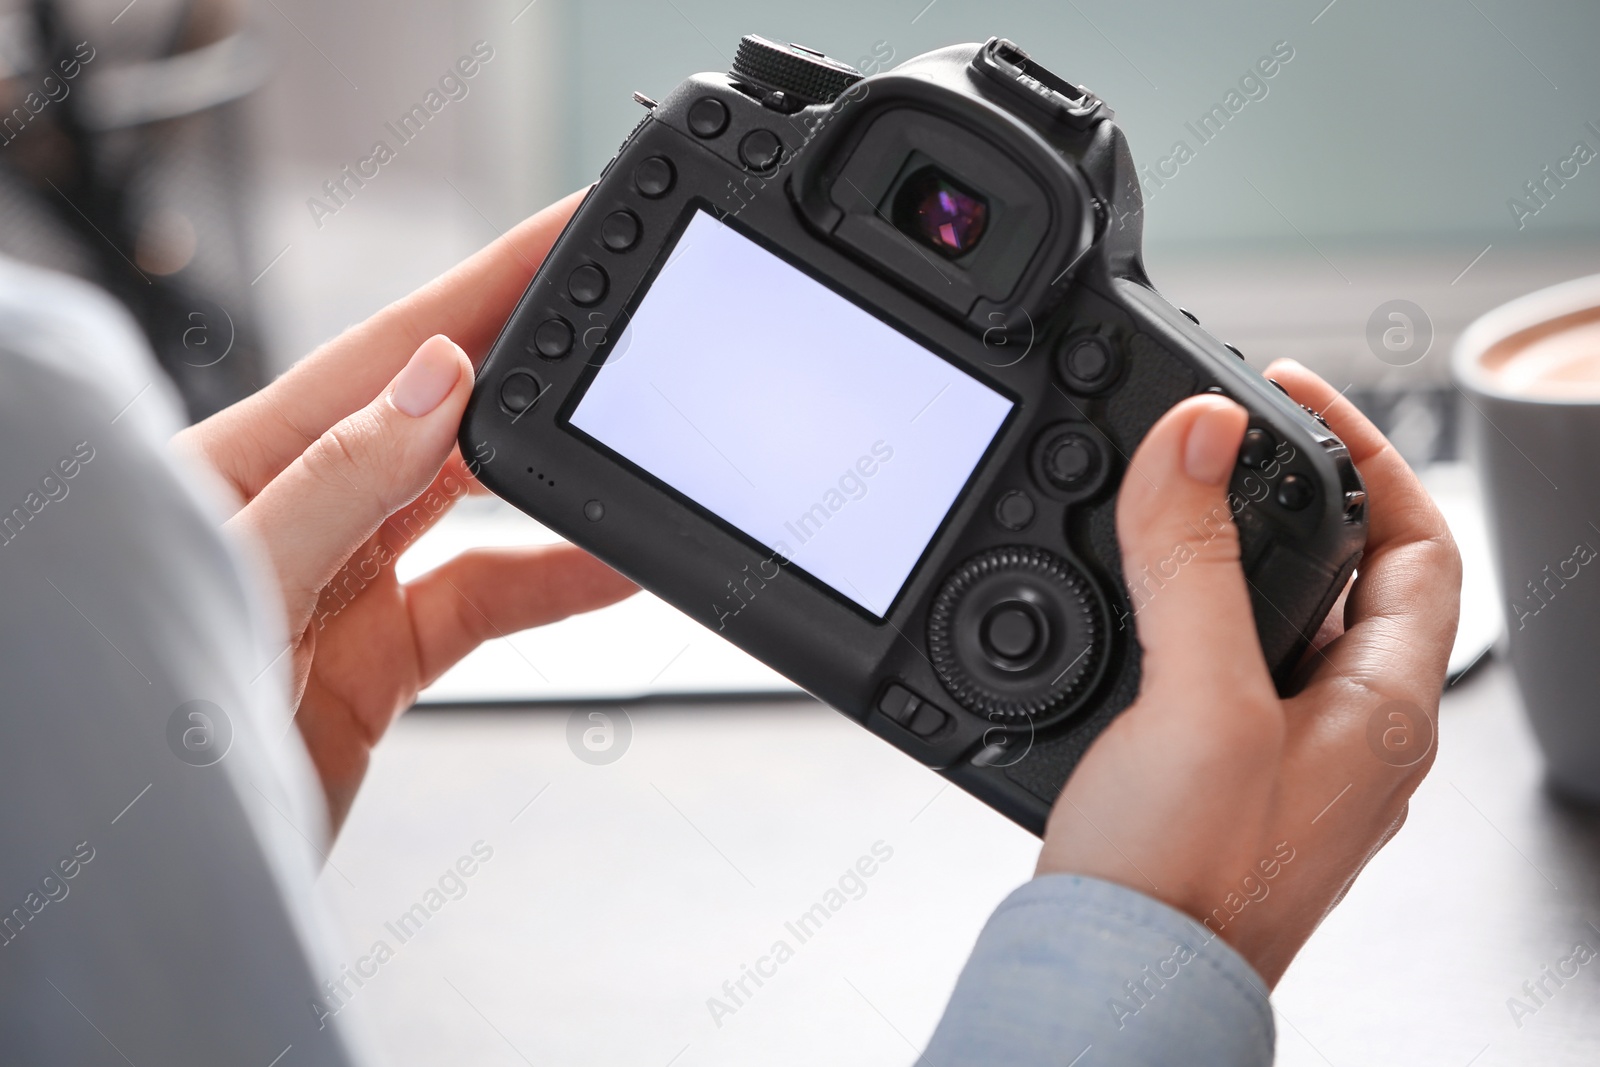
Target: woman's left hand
x,y
342,463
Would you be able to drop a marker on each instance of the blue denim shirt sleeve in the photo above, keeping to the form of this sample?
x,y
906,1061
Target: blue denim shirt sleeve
x,y
1076,971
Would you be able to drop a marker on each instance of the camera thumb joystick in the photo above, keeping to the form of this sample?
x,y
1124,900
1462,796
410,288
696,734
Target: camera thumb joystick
x,y
790,76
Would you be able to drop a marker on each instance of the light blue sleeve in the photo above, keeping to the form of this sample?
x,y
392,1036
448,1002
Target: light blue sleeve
x,y
1076,972
160,820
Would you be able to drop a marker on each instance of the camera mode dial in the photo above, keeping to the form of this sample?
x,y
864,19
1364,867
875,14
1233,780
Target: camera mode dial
x,y
1015,634
801,75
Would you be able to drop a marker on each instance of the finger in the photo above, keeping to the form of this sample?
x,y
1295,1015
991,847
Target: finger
x,y
406,526
469,471
1401,613
1180,558
494,592
332,498
1409,513
399,532
255,439
466,471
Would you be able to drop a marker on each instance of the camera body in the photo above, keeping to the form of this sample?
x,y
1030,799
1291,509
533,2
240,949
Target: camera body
x,y
849,369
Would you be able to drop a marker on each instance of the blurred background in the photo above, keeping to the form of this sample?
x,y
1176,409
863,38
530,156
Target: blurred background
x,y
1385,160
1402,157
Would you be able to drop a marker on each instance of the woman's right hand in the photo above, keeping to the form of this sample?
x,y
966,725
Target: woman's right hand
x,y
1250,812
344,462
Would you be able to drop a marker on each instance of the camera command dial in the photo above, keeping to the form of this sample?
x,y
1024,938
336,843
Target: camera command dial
x,y
1015,634
802,75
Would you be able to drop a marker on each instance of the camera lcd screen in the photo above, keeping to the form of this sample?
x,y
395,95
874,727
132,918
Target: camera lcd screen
x,y
791,413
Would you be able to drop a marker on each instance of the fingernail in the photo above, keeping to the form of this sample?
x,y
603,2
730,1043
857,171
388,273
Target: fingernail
x,y
1213,445
428,378
1282,365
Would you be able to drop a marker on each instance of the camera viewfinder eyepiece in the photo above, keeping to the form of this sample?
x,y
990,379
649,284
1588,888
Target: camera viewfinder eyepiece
x,y
939,212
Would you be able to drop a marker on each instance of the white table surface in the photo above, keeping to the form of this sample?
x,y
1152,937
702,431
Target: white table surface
x,y
623,897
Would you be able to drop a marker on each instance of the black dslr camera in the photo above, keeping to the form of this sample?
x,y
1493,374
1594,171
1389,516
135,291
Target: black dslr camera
x,y
849,369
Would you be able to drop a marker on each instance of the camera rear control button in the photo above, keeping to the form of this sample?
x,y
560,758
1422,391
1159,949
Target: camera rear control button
x,y
587,284
1191,316
654,177
1258,447
553,339
1014,633
519,391
708,117
1087,363
1295,492
760,150
899,704
926,721
1070,460
620,230
1014,510
1088,360
1234,349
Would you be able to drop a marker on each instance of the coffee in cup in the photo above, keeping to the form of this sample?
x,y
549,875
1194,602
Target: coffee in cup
x,y
1530,375
1555,360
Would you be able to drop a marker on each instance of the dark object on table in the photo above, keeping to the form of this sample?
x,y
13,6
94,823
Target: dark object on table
x,y
122,161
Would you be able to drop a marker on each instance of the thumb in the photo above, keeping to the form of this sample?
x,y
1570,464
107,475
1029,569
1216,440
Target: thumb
x,y
1180,556
330,500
